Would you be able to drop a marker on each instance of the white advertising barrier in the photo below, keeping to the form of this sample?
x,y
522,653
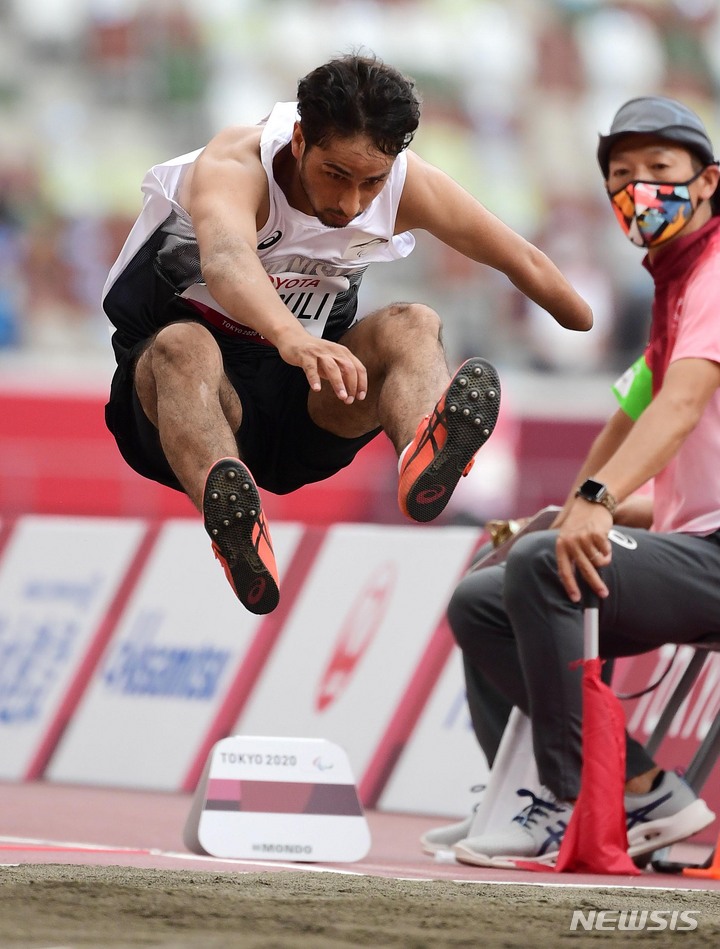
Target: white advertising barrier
x,y
277,799
364,617
167,670
442,761
58,579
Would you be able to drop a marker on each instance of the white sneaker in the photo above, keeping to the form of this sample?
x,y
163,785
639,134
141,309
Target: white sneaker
x,y
443,838
665,815
534,834
670,813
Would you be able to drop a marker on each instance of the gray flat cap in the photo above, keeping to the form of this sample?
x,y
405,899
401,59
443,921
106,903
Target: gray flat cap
x,y
657,115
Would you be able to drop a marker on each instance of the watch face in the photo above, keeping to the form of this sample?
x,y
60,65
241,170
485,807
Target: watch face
x,y
592,490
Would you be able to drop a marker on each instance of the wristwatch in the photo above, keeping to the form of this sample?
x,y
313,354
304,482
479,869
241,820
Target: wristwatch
x,y
597,493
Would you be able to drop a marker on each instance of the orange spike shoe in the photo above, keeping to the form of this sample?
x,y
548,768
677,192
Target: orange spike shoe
x,y
447,441
240,537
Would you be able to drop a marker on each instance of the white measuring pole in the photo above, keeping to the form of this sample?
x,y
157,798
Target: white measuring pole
x,y
591,636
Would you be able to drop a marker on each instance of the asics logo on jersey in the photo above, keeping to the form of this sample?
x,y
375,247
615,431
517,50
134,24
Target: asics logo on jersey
x,y
270,241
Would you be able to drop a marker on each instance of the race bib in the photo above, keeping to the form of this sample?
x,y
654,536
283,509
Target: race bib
x,y
309,298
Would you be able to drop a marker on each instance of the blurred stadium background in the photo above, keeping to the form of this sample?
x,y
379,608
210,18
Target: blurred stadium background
x,y
93,92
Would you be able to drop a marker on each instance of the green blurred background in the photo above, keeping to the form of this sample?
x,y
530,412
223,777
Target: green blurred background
x,y
92,92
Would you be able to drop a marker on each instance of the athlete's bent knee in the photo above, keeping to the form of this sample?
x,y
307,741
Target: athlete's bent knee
x,y
407,323
185,346
415,317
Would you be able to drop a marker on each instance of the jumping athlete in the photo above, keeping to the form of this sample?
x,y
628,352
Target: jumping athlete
x,y
234,304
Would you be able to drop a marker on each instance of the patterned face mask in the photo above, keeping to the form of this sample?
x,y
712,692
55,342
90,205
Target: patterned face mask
x,y
651,212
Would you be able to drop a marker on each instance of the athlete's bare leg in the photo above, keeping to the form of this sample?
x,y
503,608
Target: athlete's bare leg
x,y
184,392
401,348
436,424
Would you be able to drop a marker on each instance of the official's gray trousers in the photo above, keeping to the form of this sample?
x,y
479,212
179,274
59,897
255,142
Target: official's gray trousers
x,y
519,633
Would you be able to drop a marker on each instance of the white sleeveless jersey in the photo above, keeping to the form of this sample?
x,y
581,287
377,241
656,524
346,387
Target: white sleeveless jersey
x,y
315,269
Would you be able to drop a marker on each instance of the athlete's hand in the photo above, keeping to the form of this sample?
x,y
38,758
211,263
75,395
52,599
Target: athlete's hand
x,y
583,545
321,359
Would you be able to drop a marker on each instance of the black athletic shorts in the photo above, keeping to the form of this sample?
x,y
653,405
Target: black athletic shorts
x,y
278,440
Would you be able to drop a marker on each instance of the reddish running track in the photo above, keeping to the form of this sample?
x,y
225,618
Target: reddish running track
x,y
50,823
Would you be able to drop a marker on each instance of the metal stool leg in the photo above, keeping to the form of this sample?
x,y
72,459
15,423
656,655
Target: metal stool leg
x,y
704,758
680,693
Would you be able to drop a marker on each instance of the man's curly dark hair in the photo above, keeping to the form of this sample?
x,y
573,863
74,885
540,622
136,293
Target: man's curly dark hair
x,y
357,95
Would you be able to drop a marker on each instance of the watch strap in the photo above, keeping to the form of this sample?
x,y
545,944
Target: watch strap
x,y
605,498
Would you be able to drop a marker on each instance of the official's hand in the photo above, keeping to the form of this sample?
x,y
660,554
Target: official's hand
x,y
583,545
321,359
